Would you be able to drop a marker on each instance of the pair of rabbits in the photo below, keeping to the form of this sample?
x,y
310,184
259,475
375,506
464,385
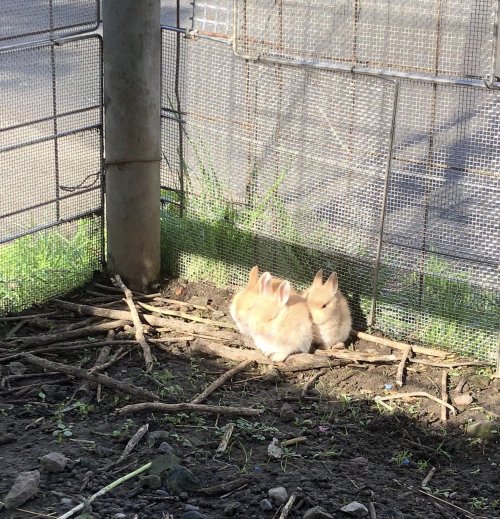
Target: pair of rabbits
x,y
282,322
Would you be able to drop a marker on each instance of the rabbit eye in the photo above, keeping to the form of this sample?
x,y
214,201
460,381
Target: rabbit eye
x,y
324,306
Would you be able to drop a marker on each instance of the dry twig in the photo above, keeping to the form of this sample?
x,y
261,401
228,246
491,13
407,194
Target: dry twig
x,y
133,442
415,394
223,378
402,364
139,332
93,377
427,478
444,394
312,380
188,406
285,511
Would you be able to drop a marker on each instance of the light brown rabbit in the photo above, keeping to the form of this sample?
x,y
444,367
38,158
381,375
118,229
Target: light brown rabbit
x,y
279,322
245,299
330,313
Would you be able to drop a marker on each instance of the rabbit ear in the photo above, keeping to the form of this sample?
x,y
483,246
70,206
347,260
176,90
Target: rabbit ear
x,y
265,287
333,282
318,278
284,292
253,277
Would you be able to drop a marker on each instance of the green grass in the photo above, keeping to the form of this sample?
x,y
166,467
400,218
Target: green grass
x,y
37,267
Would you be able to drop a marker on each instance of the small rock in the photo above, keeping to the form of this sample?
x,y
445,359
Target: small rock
x,y
462,400
16,368
156,437
231,509
271,376
193,514
152,481
180,479
278,494
217,314
54,462
287,414
198,301
6,438
484,430
25,487
266,505
359,461
165,448
274,449
191,508
66,501
355,509
120,515
162,492
317,513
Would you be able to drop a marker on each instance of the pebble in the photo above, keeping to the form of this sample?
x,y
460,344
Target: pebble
x,y
120,515
165,448
231,509
54,462
462,400
156,437
359,461
193,514
16,368
484,430
152,481
66,501
317,513
278,494
266,505
274,449
24,488
355,509
287,414
191,508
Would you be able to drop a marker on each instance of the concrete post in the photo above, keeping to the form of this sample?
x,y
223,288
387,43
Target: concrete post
x,y
132,62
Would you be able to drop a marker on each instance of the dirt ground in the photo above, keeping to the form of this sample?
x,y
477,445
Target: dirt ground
x,y
349,448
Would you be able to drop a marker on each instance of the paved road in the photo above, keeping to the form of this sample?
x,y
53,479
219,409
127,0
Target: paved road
x,y
28,175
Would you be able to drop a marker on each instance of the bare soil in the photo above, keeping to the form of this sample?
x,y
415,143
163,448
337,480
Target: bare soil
x,y
352,448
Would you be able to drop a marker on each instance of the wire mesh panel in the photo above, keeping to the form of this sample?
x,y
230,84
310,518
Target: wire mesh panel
x,y
213,16
23,20
448,38
50,169
280,167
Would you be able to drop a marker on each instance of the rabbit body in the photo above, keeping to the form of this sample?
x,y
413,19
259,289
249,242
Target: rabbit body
x,y
279,323
244,300
330,312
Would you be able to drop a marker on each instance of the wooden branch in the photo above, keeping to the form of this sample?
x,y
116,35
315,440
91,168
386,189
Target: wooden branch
x,y
93,377
427,478
26,317
189,317
180,303
171,324
449,365
402,364
188,406
400,345
223,378
297,362
444,394
415,394
285,511
39,340
139,332
312,380
356,356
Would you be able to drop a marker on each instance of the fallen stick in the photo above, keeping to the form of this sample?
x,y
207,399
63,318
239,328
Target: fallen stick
x,y
449,365
427,478
24,317
312,380
288,506
222,487
372,511
188,406
293,441
86,386
189,317
355,356
169,340
136,438
180,303
222,447
139,332
297,362
39,340
171,324
223,378
113,360
400,345
105,490
93,377
444,394
415,394
402,364
463,510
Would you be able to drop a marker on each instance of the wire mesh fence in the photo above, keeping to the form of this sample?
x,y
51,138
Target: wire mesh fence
x,y
50,168
31,20
301,167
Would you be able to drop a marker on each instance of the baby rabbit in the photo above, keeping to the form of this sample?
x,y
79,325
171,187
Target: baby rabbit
x,y
245,299
279,322
330,313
